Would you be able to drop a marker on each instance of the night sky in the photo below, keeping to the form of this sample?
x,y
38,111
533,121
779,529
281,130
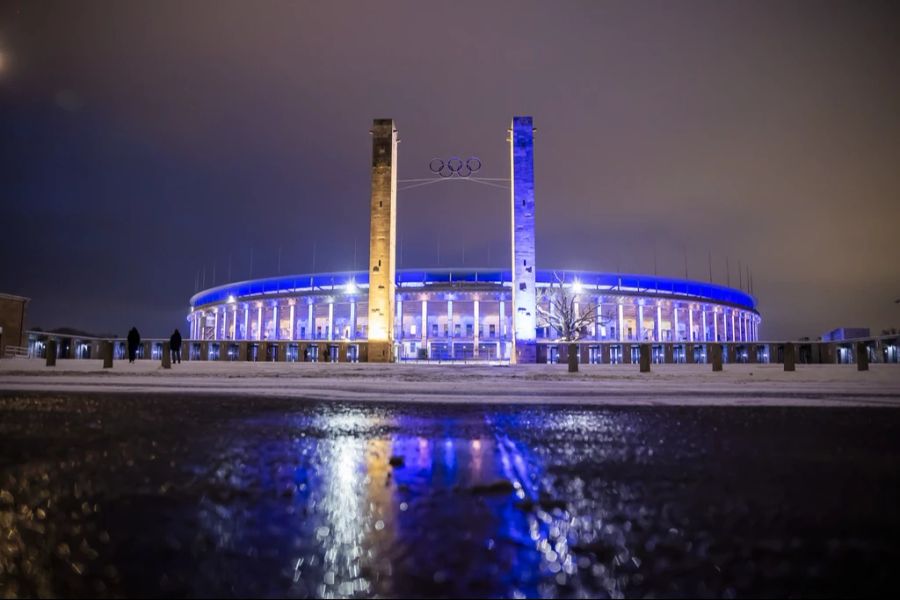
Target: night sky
x,y
146,145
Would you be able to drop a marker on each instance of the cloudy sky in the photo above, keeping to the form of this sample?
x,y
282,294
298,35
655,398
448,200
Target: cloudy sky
x,y
146,145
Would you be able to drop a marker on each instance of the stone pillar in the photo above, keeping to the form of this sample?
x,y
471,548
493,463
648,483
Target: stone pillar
x,y
674,323
106,350
282,352
166,356
524,292
790,357
862,357
215,324
310,321
715,352
382,241
342,353
259,323
715,319
751,353
645,358
705,336
604,354
501,324
689,354
51,353
275,323
626,354
242,351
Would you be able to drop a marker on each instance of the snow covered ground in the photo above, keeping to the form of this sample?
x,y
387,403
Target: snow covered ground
x,y
753,385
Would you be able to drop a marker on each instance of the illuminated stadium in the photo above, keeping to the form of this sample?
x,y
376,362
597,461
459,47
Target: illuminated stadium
x,y
465,314
383,314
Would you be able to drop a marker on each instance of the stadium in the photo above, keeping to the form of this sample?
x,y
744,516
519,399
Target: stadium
x,y
447,314
385,314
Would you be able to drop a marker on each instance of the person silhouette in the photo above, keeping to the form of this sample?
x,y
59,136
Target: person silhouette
x,y
134,341
175,346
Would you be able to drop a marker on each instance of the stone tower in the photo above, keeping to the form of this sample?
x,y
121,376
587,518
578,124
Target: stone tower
x,y
382,241
524,317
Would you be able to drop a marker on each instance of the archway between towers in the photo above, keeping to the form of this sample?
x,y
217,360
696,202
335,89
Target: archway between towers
x,y
383,240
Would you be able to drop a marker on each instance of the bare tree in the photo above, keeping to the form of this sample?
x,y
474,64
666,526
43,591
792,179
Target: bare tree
x,y
560,309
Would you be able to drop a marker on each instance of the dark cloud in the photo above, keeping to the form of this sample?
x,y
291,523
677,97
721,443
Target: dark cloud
x,y
142,143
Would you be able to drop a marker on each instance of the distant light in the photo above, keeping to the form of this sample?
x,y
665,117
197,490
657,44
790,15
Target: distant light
x,y
350,288
231,299
577,287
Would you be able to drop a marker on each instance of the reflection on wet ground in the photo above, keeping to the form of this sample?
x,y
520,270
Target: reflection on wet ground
x,y
200,496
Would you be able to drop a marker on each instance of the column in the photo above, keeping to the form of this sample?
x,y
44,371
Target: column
x,y
657,335
640,322
399,319
501,325
733,337
382,241
330,320
475,328
259,323
690,310
275,320
353,318
310,323
450,318
424,322
674,323
246,322
598,319
524,292
621,323
705,337
293,322
216,325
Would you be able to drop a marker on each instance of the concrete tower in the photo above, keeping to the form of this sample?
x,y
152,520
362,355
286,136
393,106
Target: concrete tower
x,y
524,316
382,241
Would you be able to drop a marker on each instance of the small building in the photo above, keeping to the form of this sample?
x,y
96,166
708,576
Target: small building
x,y
12,323
846,333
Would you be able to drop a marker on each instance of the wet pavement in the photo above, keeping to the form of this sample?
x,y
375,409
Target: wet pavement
x,y
125,495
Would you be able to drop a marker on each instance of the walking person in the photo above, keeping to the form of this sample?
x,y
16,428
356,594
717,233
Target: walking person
x,y
134,341
175,346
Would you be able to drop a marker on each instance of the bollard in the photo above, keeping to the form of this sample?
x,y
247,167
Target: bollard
x,y
166,356
645,358
716,356
51,353
862,357
107,352
789,357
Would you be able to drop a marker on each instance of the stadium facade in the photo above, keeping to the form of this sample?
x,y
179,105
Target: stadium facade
x,y
446,314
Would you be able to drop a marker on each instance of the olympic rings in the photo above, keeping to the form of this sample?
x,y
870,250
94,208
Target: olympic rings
x,y
455,166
